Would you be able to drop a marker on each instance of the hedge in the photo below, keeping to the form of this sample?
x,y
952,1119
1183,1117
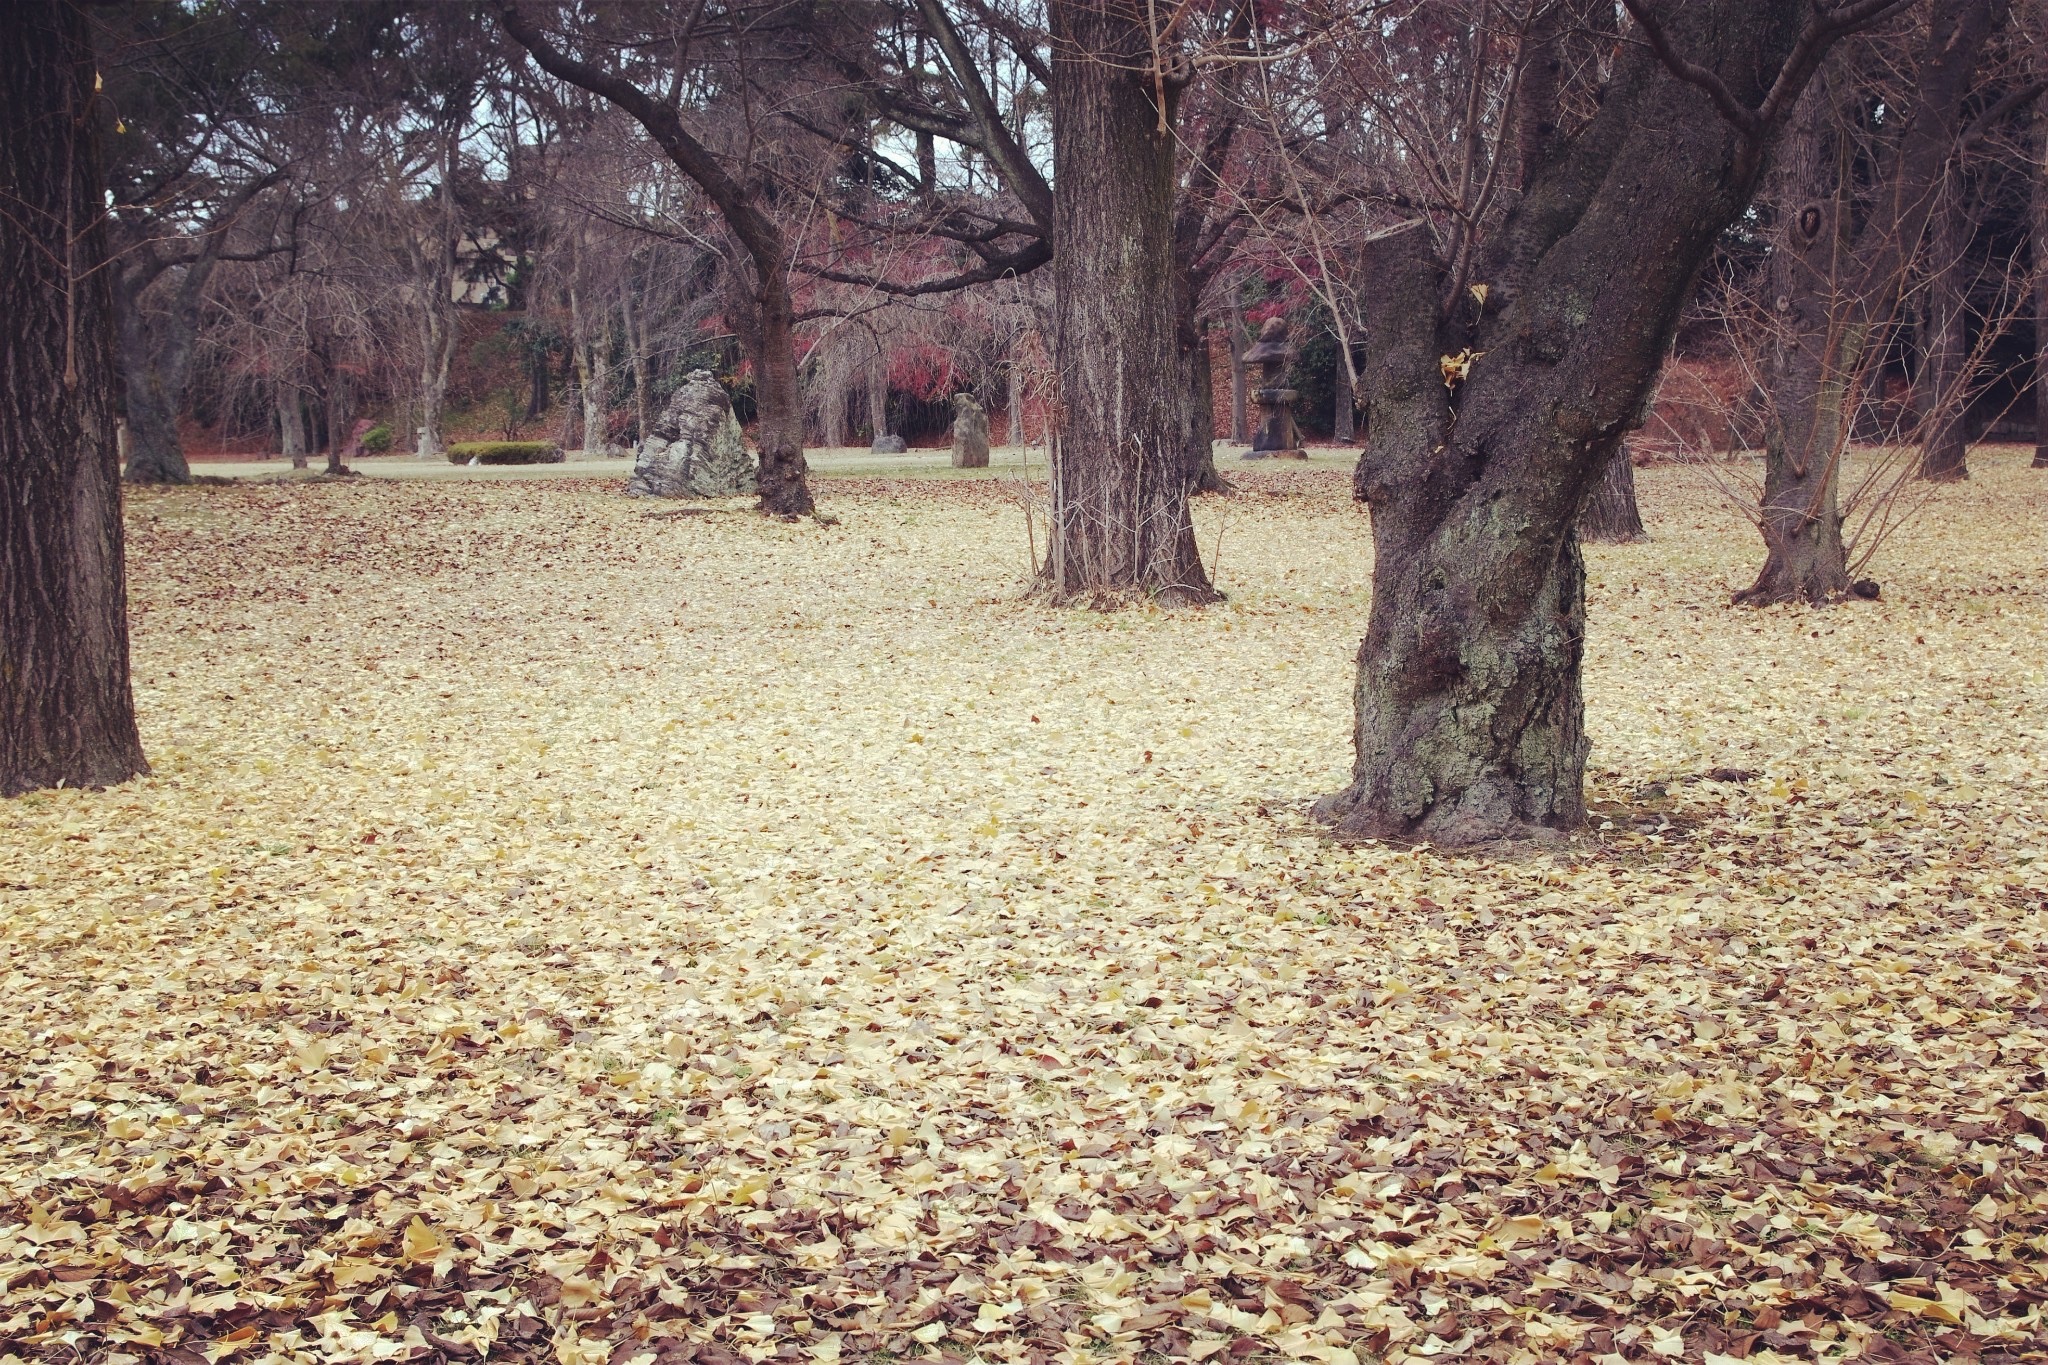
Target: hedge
x,y
504,452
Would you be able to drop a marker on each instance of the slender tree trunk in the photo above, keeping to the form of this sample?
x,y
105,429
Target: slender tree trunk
x,y
291,426
2039,245
1014,418
1120,472
1611,514
1469,723
337,422
1239,381
878,397
439,323
778,405
636,349
1942,384
1341,403
67,716
1836,280
1810,377
1194,341
832,401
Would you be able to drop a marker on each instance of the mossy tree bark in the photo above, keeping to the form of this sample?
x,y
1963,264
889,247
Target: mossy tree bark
x,y
1121,476
67,717
1469,725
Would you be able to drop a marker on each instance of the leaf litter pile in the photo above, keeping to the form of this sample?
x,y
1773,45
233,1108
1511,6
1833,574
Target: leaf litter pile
x,y
559,933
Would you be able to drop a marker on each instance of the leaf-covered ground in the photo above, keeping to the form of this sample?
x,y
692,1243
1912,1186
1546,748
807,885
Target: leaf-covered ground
x,y
561,931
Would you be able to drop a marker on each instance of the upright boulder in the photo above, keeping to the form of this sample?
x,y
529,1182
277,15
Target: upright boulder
x,y
695,449
970,433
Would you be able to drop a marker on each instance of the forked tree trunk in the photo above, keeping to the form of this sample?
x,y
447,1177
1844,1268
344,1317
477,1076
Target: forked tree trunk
x,y
1611,516
1120,524
67,717
1469,724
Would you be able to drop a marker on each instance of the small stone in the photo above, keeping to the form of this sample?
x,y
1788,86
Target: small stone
x,y
888,443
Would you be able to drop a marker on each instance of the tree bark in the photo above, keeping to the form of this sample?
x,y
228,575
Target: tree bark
x,y
1836,279
1239,432
1611,516
1469,723
1341,402
439,323
1201,406
67,716
1942,384
1015,416
291,425
337,422
1120,470
2038,228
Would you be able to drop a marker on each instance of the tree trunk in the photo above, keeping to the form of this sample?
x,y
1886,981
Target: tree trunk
x,y
155,454
636,348
1469,724
1942,384
291,426
439,324
878,397
1014,418
1120,471
778,405
337,423
1194,340
1836,278
67,716
2039,239
1239,432
1810,373
1611,516
1341,402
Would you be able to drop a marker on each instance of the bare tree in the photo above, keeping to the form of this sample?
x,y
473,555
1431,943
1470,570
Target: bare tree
x,y
1494,410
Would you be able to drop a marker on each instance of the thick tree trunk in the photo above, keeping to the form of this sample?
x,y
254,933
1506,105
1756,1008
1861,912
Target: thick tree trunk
x,y
1469,725
1611,516
439,324
155,454
67,716
1942,384
1120,469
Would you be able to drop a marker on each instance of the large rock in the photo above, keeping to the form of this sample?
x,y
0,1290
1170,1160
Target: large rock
x,y
970,433
695,449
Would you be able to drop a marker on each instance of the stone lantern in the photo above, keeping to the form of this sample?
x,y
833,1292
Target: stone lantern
x,y
1274,436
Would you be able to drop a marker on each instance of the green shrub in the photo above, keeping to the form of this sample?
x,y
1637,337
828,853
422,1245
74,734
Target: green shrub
x,y
505,452
377,439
